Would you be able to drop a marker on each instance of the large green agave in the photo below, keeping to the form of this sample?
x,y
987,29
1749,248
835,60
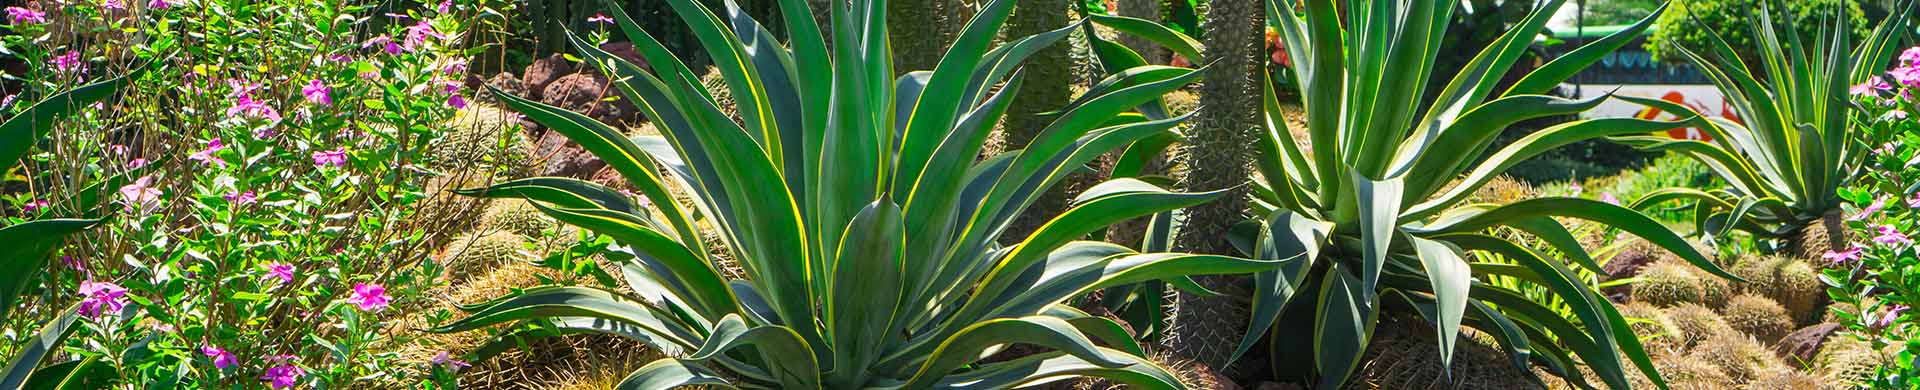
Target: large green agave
x,y
855,205
1376,200
1795,144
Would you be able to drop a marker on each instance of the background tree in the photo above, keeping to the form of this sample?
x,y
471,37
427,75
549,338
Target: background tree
x,y
1050,76
1217,156
920,31
1731,19
1144,9
1617,12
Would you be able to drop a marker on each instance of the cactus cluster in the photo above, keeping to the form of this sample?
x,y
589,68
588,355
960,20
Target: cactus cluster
x,y
1696,324
484,136
1758,316
1404,355
1848,360
1668,283
1654,328
475,254
1741,357
516,216
1791,282
1786,379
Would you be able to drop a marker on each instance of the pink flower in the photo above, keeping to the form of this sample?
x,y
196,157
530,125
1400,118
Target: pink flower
x,y
137,163
1912,55
317,92
283,376
336,157
384,41
1872,85
444,7
600,18
1846,256
282,271
457,102
455,67
241,198
100,298
221,359
1914,202
1875,207
247,107
113,5
34,206
206,154
1906,75
25,16
1893,312
75,264
68,62
369,297
1890,236
454,365
417,35
158,4
140,194
1608,197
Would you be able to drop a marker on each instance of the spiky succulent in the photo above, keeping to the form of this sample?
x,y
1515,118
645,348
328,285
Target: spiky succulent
x,y
852,200
1668,283
1794,144
1758,316
516,216
1696,323
474,254
484,136
1791,282
1370,198
1742,357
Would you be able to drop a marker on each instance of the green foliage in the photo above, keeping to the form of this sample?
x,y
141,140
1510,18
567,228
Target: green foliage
x,y
1618,12
1732,21
1376,214
1796,144
852,200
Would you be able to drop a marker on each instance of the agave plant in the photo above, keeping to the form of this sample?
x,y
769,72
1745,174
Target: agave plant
x,y
1376,199
854,205
1796,144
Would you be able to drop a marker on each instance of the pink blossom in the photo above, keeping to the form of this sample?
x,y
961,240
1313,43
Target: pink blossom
x,y
117,148
600,18
454,365
1898,114
140,194
1872,208
457,102
317,92
336,157
282,271
1893,312
68,62
1912,55
137,163
455,67
75,264
417,35
241,198
1608,197
1845,256
113,5
158,4
369,297
1914,201
206,154
221,358
246,106
26,16
100,298
1890,236
283,376
384,41
444,7
1872,85
34,206
1906,75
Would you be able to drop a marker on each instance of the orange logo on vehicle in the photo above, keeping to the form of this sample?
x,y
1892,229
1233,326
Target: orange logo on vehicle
x,y
1689,133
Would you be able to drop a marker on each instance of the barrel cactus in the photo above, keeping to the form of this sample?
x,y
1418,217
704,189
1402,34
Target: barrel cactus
x,y
1758,316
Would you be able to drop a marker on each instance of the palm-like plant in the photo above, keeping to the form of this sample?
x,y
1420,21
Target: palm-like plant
x,y
1798,144
1373,205
854,204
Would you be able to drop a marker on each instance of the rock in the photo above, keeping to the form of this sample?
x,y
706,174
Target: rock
x,y
584,93
565,158
626,51
544,71
1802,345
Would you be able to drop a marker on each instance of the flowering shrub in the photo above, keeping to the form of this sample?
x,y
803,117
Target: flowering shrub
x,y
1880,273
262,178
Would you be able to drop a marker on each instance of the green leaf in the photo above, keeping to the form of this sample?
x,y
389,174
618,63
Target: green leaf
x,y
20,133
31,243
1447,269
1049,332
868,277
43,344
1286,235
1180,44
791,359
1342,328
669,373
564,192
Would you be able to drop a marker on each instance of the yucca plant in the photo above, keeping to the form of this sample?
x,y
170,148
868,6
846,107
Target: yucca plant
x,y
1797,141
853,202
1375,201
